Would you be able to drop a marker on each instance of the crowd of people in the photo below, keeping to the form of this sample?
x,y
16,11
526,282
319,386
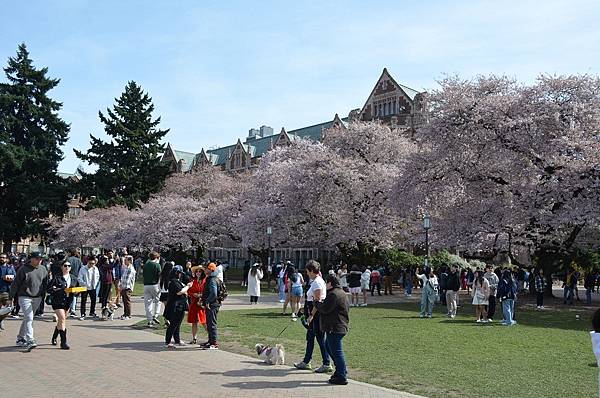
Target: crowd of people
x,y
318,298
28,284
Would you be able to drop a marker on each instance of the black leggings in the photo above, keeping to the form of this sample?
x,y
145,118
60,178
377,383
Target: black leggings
x,y
104,293
173,329
539,299
253,299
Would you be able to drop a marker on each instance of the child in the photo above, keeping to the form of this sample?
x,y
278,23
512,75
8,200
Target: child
x,y
596,340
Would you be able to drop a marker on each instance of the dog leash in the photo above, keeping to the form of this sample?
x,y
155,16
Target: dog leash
x,y
280,333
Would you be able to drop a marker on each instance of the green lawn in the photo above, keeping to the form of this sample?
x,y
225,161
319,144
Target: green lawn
x,y
548,354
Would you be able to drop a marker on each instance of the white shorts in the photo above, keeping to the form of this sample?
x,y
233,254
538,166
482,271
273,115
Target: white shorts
x,y
364,286
355,290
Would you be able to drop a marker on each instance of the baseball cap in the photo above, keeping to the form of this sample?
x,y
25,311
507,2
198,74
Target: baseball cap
x,y
178,268
36,255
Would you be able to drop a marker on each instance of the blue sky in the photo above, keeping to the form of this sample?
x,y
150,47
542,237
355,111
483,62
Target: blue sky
x,y
216,69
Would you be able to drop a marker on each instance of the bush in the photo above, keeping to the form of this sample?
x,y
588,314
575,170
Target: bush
x,y
441,258
397,258
477,264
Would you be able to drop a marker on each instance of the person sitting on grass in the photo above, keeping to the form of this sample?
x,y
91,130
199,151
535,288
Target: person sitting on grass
x,y
429,291
596,340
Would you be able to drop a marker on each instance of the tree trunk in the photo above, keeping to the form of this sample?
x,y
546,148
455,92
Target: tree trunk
x,y
7,244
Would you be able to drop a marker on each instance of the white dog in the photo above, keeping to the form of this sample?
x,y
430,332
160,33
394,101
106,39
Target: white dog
x,y
271,355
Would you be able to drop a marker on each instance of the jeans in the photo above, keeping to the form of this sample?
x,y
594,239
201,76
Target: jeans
x,y
334,348
39,310
491,310
539,299
28,305
73,308
211,323
152,301
281,289
313,332
508,308
427,301
451,303
588,296
409,285
173,328
84,296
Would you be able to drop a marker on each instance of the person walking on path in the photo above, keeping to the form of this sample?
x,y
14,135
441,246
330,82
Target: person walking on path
x,y
117,271
507,293
493,280
481,292
89,277
540,287
7,275
429,292
177,305
75,261
254,276
196,313
245,272
333,312
316,292
61,302
295,283
29,286
375,282
211,303
354,284
408,282
453,286
126,286
152,289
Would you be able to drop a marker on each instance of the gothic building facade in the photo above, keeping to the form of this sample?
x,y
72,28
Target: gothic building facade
x,y
389,102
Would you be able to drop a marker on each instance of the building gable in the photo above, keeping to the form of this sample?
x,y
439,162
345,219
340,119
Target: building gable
x,y
389,102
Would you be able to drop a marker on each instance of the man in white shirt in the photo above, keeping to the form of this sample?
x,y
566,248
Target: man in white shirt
x,y
89,277
316,292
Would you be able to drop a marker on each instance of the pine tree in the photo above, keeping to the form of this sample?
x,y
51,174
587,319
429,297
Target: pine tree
x,y
31,134
129,168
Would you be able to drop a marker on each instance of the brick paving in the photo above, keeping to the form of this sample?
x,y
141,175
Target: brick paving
x,y
110,359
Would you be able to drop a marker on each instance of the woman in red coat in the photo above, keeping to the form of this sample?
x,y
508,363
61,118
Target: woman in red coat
x,y
196,313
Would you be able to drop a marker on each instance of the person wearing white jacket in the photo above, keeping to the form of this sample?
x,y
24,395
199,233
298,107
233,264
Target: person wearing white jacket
x,y
596,341
89,277
254,277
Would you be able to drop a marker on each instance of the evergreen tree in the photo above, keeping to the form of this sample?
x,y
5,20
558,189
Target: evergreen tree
x,y
31,134
129,168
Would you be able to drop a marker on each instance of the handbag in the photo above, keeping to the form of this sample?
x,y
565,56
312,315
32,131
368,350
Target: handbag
x,y
48,299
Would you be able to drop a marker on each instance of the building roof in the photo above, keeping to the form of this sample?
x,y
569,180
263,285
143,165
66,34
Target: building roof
x,y
188,157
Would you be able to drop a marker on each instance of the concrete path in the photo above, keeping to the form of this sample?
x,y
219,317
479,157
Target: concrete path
x,y
110,359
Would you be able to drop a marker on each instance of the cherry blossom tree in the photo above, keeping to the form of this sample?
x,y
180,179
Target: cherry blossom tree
x,y
508,166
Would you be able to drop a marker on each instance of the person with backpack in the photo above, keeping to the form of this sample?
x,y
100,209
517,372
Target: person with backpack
x,y
214,293
429,292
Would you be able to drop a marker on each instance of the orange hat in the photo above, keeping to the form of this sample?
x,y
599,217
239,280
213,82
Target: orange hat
x,y
212,267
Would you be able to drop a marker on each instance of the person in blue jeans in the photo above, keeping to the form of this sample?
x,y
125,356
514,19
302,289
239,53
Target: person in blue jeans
x,y
408,282
507,293
316,292
334,322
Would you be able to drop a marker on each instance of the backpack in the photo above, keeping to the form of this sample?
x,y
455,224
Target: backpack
x,y
221,291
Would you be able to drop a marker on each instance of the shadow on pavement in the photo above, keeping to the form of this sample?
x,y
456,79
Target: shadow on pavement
x,y
260,385
272,372
136,346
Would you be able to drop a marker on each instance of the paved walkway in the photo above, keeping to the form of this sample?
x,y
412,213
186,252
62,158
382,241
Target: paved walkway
x,y
110,359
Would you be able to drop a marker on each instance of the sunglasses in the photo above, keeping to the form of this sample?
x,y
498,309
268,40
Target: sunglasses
x,y
66,265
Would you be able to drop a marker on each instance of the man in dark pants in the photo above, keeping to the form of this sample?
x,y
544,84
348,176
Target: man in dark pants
x,y
210,301
493,280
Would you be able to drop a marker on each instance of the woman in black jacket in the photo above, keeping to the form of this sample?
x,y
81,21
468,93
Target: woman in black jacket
x,y
61,302
177,305
334,320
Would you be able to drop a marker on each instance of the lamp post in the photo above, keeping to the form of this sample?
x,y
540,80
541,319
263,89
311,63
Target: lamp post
x,y
426,226
269,234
